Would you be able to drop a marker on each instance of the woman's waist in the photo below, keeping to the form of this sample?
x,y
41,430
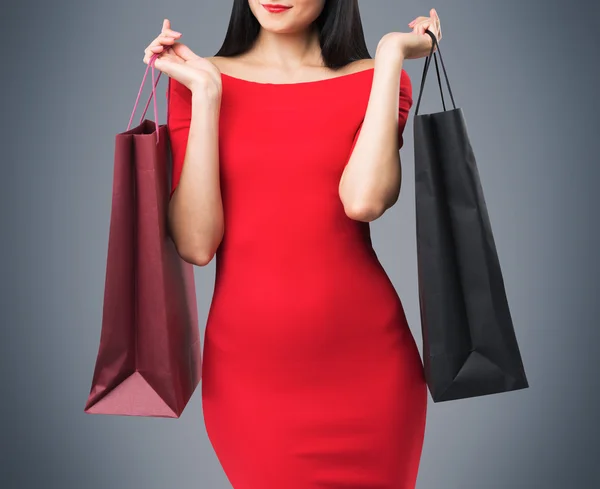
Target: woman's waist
x,y
307,258
302,280
289,306
278,243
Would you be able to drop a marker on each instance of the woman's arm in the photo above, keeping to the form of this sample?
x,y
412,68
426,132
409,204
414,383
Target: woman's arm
x,y
371,180
195,208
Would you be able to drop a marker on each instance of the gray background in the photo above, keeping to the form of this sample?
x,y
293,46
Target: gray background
x,y
524,74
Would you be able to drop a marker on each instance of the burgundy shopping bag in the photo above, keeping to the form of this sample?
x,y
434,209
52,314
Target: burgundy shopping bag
x,y
149,358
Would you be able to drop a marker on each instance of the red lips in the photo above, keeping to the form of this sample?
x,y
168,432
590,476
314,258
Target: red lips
x,y
276,7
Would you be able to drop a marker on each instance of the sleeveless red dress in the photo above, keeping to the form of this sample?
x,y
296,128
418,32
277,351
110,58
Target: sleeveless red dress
x,y
311,378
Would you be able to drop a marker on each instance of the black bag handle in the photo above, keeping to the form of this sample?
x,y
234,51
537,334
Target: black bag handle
x,y
426,68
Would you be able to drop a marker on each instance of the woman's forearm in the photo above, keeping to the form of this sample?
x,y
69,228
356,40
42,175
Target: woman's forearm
x,y
196,208
372,177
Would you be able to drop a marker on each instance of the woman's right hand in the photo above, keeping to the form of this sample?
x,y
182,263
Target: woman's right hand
x,y
181,63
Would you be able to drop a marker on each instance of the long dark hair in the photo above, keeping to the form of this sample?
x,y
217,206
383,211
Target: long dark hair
x,y
340,32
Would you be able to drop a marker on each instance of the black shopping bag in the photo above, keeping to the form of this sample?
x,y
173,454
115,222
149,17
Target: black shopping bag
x,y
469,343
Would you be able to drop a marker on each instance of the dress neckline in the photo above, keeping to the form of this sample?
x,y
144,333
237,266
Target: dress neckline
x,y
313,82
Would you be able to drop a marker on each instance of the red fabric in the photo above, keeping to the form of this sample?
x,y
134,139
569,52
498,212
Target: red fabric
x,y
311,376
179,119
179,116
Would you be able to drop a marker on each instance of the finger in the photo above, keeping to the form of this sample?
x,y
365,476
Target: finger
x,y
163,67
151,49
418,19
171,32
183,51
162,38
423,19
438,23
166,24
162,41
165,39
438,27
433,28
436,18
149,52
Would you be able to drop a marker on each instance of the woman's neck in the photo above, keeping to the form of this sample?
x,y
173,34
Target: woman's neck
x,y
287,51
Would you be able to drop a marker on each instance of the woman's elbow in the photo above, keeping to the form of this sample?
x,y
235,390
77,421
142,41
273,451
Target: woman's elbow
x,y
195,256
364,212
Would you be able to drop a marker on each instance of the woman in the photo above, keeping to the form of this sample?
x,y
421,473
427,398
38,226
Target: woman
x,y
285,146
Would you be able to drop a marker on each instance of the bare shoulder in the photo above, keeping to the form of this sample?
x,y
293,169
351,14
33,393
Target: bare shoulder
x,y
225,64
359,65
215,60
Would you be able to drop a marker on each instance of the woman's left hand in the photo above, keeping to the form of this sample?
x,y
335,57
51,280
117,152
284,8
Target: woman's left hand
x,y
415,44
421,24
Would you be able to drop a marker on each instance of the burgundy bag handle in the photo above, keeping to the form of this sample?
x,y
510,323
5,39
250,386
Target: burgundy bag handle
x,y
152,96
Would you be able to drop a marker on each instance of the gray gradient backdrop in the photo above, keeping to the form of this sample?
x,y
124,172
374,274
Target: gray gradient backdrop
x,y
523,72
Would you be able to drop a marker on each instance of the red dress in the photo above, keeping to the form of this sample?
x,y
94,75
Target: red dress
x,y
311,378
